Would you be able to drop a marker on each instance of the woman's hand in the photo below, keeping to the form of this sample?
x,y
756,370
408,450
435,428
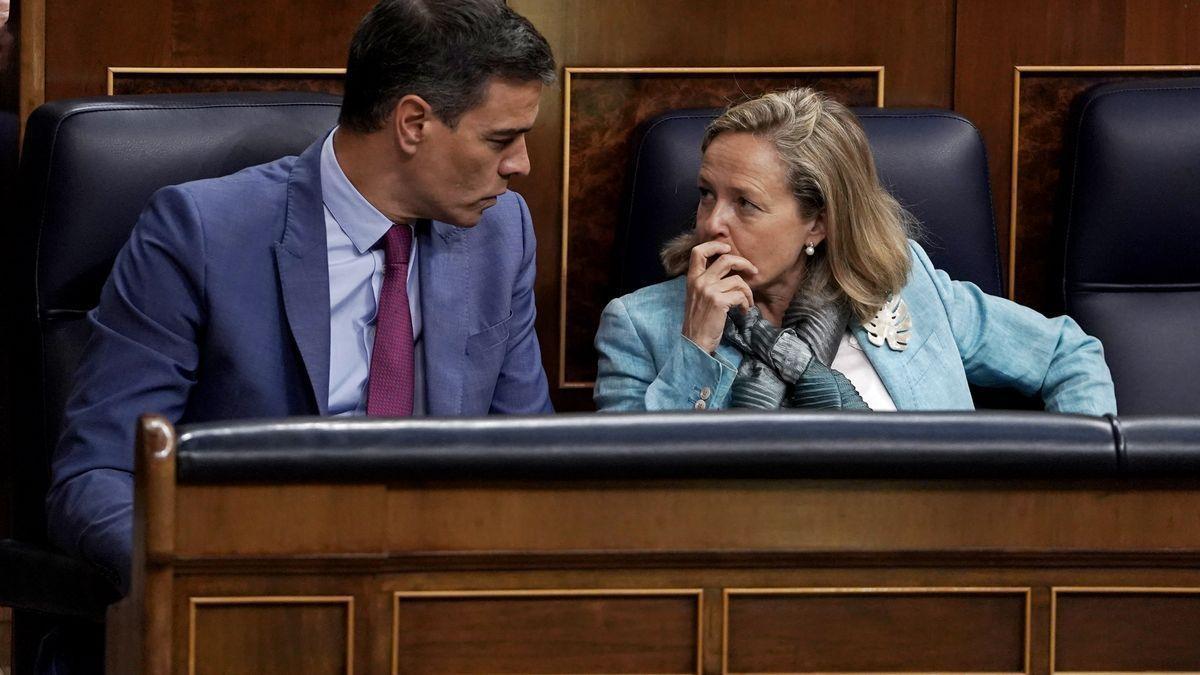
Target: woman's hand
x,y
712,289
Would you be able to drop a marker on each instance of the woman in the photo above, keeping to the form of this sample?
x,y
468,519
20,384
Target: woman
x,y
800,288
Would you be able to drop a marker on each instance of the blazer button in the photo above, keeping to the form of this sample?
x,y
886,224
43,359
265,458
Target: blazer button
x,y
705,393
701,405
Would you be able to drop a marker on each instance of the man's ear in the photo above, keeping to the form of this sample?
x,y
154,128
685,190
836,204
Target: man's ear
x,y
411,119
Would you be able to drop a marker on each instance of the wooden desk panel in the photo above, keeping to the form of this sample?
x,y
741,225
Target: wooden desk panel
x,y
886,576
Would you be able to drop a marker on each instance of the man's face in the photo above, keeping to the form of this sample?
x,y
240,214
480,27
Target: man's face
x,y
465,168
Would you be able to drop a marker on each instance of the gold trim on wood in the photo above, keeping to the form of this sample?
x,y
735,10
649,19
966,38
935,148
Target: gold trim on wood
x,y
1112,590
1018,71
347,600
114,71
563,383
552,593
884,590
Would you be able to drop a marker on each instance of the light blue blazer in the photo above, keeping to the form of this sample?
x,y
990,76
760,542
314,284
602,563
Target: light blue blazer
x,y
959,335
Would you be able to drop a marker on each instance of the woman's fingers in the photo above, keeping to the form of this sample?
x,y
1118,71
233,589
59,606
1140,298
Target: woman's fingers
x,y
734,292
701,253
727,263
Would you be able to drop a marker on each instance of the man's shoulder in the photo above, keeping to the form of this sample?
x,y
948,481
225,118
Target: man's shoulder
x,y
262,181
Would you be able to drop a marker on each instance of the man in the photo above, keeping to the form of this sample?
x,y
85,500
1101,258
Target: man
x,y
385,271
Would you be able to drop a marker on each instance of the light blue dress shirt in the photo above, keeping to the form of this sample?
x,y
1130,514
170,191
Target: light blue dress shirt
x,y
353,229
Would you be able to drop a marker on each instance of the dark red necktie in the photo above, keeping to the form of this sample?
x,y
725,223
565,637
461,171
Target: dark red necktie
x,y
390,383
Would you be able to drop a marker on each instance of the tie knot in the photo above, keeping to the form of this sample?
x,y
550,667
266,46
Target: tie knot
x,y
396,244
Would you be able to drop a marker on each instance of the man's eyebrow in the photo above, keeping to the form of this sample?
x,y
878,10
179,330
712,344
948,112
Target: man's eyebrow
x,y
515,131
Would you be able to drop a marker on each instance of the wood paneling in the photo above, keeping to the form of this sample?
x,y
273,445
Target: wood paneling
x,y
184,80
877,630
548,632
280,519
86,37
271,635
1107,630
606,110
727,33
993,38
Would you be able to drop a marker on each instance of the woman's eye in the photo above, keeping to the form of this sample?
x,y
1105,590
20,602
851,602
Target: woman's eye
x,y
705,193
747,204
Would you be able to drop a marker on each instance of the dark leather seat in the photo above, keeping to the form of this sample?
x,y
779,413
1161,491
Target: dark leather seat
x,y
1132,221
932,161
87,169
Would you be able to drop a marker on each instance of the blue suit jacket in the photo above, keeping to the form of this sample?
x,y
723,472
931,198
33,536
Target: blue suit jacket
x,y
218,308
960,335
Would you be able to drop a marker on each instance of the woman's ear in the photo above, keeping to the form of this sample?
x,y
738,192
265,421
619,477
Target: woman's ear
x,y
816,229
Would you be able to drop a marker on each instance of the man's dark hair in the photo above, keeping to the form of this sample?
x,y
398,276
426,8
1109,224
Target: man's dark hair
x,y
444,51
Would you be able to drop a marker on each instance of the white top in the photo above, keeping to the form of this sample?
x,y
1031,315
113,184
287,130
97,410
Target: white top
x,y
852,362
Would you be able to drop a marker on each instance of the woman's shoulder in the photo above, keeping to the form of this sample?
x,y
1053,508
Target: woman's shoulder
x,y
664,297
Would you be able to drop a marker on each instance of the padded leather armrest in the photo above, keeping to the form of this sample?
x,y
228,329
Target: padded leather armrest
x,y
37,579
637,446
1161,447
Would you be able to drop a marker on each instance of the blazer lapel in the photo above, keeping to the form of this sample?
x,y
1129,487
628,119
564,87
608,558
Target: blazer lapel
x,y
444,309
302,259
891,365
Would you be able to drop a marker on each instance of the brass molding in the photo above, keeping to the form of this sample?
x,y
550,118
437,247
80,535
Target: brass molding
x,y
563,383
1025,591
115,71
347,600
1113,590
1018,71
698,593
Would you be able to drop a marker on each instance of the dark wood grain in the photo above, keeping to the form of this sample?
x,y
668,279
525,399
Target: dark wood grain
x,y
271,638
877,632
548,634
179,83
1128,632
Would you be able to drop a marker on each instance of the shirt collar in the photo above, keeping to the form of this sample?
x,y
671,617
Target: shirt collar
x,y
363,223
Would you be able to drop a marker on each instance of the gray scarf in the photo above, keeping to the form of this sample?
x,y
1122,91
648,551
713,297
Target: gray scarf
x,y
790,367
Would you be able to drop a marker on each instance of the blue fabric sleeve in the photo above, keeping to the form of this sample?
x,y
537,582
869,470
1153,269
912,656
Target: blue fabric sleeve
x,y
142,357
1003,343
628,379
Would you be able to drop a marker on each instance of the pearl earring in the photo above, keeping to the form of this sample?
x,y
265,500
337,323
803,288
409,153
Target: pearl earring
x,y
810,249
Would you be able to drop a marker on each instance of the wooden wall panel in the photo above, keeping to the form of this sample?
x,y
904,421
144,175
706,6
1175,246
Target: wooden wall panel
x,y
877,630
548,632
728,33
86,37
1109,630
993,38
271,635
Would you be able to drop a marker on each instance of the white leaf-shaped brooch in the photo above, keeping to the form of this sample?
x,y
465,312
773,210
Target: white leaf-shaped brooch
x,y
890,324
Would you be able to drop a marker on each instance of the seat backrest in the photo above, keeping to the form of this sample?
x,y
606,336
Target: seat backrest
x,y
932,161
1132,212
87,169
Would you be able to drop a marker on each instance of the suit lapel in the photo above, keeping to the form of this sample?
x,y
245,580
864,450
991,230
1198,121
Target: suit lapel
x,y
302,259
445,292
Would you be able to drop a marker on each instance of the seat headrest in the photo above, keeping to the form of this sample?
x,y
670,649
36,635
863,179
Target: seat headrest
x,y
90,165
1133,192
932,161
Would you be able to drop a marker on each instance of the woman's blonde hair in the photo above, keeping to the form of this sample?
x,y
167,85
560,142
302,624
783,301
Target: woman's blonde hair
x,y
865,255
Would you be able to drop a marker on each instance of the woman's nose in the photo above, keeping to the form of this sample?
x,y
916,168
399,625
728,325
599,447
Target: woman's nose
x,y
713,224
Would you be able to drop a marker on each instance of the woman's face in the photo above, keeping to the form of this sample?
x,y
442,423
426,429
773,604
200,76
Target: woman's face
x,y
745,201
